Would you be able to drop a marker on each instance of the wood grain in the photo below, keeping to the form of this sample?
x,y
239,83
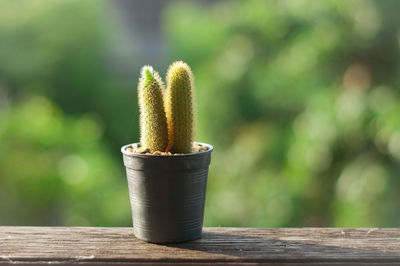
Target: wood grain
x,y
293,246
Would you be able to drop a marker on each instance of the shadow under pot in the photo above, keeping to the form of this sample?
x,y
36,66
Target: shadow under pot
x,y
167,194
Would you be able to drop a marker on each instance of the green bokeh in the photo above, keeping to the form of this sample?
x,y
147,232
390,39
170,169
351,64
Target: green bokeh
x,y
299,98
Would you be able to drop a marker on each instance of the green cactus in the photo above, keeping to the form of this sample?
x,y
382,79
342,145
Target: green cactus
x,y
179,108
153,122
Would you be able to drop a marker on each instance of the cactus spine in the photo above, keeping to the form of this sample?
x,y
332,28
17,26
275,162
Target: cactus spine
x,y
179,108
153,123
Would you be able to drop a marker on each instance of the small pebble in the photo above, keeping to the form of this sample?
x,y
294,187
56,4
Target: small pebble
x,y
202,148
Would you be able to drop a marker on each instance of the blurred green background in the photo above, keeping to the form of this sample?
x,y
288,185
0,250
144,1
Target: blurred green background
x,y
301,100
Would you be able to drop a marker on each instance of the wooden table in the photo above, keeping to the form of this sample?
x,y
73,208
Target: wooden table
x,y
285,246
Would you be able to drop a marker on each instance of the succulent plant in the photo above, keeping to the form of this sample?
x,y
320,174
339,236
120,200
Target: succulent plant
x,y
167,118
179,108
153,122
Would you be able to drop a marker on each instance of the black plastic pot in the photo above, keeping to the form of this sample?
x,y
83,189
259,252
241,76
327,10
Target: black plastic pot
x,y
167,194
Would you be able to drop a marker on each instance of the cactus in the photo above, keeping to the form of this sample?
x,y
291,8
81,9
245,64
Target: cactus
x,y
179,108
153,123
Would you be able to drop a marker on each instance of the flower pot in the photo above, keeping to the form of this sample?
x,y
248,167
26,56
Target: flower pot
x,y
167,194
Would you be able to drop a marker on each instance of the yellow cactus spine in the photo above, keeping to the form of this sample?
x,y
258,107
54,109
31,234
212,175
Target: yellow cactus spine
x,y
179,108
153,123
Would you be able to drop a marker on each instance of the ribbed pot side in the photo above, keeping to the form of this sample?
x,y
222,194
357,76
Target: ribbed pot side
x,y
167,194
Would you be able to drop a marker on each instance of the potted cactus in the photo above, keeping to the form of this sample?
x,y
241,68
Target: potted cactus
x,y
167,171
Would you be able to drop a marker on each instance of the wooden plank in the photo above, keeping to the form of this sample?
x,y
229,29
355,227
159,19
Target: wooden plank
x,y
294,246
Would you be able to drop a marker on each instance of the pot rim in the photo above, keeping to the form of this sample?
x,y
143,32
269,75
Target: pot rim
x,y
127,153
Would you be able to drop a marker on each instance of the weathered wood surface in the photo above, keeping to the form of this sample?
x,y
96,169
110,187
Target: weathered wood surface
x,y
306,246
